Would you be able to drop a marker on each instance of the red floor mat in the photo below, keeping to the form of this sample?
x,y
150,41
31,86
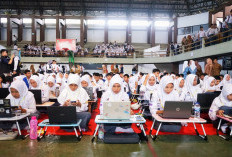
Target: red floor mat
x,y
189,130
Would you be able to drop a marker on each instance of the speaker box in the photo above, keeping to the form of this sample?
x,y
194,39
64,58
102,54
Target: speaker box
x,y
227,63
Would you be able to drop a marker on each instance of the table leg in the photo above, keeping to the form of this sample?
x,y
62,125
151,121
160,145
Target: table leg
x,y
202,136
28,123
205,136
95,132
143,130
152,126
39,138
218,128
78,138
17,124
80,130
154,138
45,131
196,129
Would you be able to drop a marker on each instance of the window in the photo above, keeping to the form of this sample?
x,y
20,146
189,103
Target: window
x,y
96,22
72,21
27,20
117,22
50,21
3,20
140,23
162,23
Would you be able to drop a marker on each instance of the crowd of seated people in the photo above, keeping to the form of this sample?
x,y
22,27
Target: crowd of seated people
x,y
108,50
214,35
113,50
118,86
46,51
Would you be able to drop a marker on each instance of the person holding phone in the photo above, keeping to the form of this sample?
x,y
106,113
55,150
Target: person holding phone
x,y
75,95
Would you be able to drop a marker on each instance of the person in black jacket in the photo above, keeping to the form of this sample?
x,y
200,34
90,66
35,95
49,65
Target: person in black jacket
x,y
5,62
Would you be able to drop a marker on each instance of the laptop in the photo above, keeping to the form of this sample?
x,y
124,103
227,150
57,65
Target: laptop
x,y
37,95
89,91
116,110
4,92
62,115
205,99
5,108
177,109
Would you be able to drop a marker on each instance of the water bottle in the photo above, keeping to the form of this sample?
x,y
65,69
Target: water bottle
x,y
33,128
101,132
57,92
197,110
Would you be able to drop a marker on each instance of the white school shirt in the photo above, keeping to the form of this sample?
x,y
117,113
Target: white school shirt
x,y
83,97
217,103
27,102
229,19
211,31
201,34
99,85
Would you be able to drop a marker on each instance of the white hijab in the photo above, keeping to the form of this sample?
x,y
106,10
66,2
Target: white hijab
x,y
225,82
193,90
18,78
227,90
51,79
162,95
78,93
207,84
21,87
177,85
37,80
148,86
109,95
193,65
185,64
86,79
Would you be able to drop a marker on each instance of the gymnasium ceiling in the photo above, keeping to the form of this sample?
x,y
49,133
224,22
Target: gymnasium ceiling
x,y
109,7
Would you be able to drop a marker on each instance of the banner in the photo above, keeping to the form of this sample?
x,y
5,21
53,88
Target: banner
x,y
66,44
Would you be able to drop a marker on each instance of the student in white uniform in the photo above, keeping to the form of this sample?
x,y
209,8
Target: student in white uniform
x,y
191,89
149,86
60,82
21,97
35,83
222,105
179,86
52,86
126,84
3,83
107,82
65,79
210,85
99,83
24,101
226,80
218,83
75,95
166,92
86,83
115,94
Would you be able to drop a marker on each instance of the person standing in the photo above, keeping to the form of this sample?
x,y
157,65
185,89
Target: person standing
x,y
209,67
5,62
216,67
199,69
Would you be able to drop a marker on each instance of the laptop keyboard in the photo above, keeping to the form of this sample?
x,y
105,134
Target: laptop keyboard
x,y
114,120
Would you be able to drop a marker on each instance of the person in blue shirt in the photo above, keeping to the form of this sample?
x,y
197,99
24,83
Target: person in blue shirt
x,y
189,67
27,78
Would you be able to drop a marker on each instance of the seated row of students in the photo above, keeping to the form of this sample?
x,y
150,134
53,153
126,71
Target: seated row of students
x,y
157,92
